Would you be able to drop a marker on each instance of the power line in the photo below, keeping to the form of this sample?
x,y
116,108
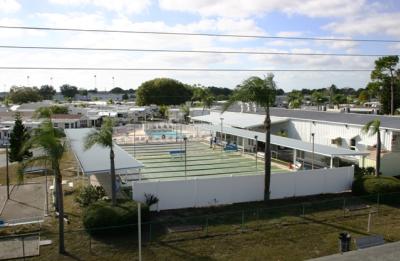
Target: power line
x,y
185,51
178,69
199,34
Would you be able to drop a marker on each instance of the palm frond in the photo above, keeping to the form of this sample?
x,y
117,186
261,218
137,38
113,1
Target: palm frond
x,y
102,137
261,91
372,127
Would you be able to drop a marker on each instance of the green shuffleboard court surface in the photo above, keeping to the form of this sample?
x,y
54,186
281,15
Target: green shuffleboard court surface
x,y
168,161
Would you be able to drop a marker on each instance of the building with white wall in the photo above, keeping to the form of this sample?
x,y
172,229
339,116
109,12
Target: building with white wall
x,y
339,130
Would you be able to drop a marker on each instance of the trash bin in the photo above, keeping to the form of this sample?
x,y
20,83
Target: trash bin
x,y
344,242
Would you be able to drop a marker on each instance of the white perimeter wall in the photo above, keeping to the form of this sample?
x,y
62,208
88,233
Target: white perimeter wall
x,y
212,191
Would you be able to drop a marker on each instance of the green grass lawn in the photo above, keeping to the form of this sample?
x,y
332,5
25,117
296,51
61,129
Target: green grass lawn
x,y
289,229
252,231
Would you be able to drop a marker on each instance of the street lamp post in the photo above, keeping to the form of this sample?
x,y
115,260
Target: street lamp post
x,y
185,139
256,138
134,139
7,174
222,129
313,143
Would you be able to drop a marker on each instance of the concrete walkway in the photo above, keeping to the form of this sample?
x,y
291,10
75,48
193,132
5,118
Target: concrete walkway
x,y
386,252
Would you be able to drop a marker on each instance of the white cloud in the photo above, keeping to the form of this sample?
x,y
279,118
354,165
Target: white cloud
x,y
382,23
243,8
120,6
9,6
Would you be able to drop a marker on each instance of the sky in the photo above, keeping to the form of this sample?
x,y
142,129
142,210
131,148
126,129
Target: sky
x,y
356,19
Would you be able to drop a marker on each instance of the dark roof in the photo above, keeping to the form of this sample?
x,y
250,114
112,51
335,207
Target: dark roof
x,y
66,116
390,122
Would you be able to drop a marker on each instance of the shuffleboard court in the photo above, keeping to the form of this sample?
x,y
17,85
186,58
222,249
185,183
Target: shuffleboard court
x,y
201,161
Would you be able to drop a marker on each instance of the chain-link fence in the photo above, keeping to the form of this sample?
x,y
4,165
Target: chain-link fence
x,y
310,224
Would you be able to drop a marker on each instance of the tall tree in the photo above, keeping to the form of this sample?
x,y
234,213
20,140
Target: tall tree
x,y
163,91
186,112
69,91
372,128
117,90
104,139
47,92
261,91
295,99
385,68
18,137
318,98
21,95
339,99
50,141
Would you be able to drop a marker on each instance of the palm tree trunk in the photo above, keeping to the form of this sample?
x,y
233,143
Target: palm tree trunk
x,y
60,208
113,179
391,94
378,154
267,153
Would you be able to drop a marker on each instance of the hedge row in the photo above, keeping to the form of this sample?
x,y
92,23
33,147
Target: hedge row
x,y
102,214
373,185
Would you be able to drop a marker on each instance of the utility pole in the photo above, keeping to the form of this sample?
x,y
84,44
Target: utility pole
x,y
313,143
7,174
256,138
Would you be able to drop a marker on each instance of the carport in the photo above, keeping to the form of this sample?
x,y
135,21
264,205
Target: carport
x,y
95,162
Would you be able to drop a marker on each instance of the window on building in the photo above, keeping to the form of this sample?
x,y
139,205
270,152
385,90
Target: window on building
x,y
67,125
353,144
55,125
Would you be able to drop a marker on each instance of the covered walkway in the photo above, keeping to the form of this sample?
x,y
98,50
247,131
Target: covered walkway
x,y
95,162
296,145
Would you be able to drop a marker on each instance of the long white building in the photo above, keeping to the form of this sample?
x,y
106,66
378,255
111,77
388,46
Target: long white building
x,y
339,130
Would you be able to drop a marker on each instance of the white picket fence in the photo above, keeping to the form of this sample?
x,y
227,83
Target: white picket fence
x,y
229,189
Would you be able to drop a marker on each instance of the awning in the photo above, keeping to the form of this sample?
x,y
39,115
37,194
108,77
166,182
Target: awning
x,y
97,159
319,149
234,119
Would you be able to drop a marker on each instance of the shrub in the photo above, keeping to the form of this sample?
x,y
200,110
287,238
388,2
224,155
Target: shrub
x,y
90,194
373,184
360,172
102,214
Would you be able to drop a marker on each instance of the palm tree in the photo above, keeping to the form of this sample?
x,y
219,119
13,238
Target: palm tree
x,y
261,91
104,139
295,99
50,141
207,100
186,112
372,128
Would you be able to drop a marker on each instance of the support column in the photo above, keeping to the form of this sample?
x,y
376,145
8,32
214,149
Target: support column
x,y
243,145
331,162
363,161
294,156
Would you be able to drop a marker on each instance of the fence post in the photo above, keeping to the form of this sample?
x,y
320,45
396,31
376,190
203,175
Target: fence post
x,y
378,201
369,221
150,231
242,219
206,226
90,244
23,247
344,207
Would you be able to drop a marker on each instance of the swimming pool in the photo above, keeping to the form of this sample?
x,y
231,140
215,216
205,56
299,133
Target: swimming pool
x,y
159,134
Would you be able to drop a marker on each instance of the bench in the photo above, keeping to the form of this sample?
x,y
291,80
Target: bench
x,y
177,153
230,147
352,208
184,228
369,241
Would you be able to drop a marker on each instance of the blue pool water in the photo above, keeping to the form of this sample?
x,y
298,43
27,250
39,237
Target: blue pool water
x,y
158,134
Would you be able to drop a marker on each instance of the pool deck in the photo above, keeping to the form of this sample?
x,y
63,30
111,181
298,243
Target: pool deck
x,y
201,161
